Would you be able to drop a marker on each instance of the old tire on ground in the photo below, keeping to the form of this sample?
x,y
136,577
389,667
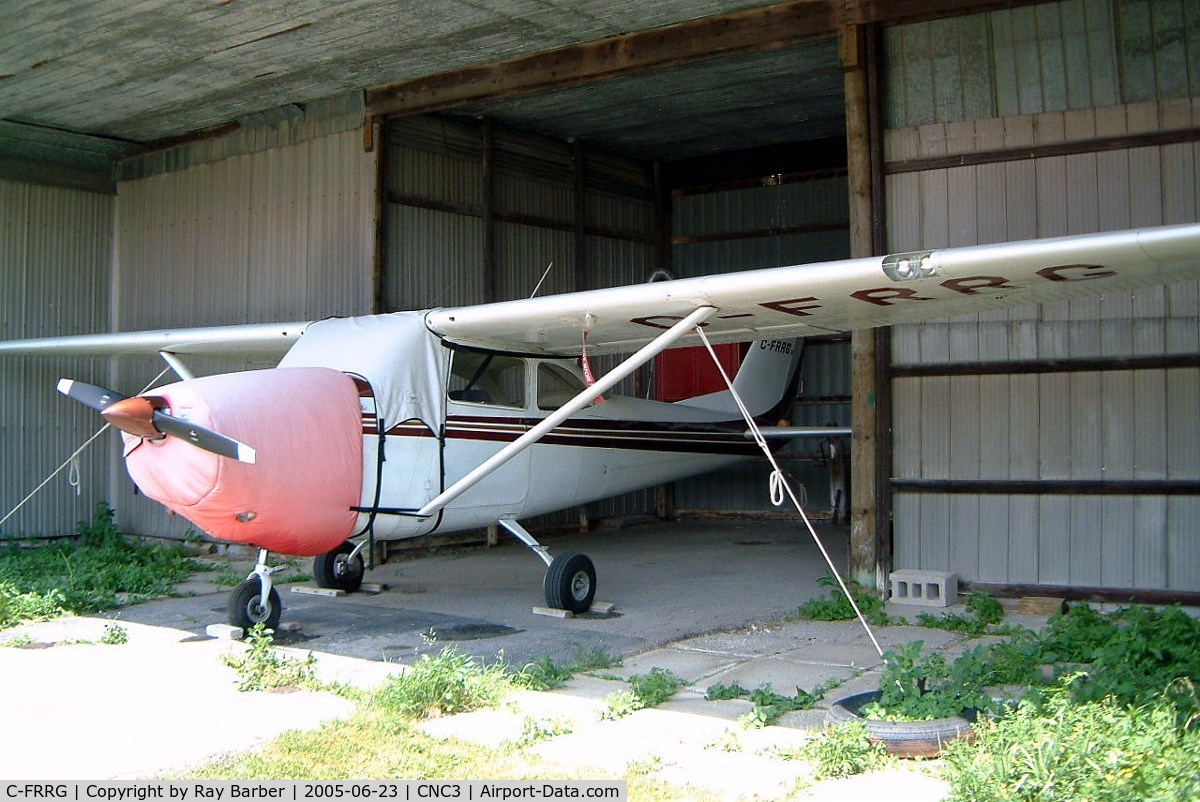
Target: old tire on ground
x,y
902,738
570,583
246,608
336,569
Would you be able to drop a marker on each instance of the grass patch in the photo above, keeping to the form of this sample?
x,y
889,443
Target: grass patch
x,y
86,577
443,684
543,674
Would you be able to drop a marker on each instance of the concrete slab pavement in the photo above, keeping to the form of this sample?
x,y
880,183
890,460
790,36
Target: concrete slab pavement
x,y
690,599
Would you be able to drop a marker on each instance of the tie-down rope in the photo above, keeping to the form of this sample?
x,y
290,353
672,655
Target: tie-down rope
x,y
73,460
780,485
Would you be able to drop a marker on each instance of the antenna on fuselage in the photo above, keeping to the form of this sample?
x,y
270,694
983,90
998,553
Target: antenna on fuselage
x,y
545,273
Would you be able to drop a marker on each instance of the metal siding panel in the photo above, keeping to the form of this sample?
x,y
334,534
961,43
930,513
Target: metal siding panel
x,y
279,234
433,259
964,536
1023,536
1117,425
1183,550
907,420
1054,540
1087,554
55,258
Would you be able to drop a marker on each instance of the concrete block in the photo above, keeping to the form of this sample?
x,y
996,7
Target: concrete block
x,y
928,588
224,631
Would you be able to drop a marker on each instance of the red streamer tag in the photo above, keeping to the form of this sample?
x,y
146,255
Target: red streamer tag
x,y
588,378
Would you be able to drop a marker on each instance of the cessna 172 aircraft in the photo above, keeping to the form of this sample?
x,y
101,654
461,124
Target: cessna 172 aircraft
x,y
396,425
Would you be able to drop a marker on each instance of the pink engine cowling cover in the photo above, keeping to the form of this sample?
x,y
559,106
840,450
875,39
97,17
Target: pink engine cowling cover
x,y
305,425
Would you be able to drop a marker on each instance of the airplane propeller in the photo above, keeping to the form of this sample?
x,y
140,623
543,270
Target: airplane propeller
x,y
143,416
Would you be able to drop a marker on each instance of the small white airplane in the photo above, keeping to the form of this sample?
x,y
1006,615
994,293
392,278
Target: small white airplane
x,y
393,426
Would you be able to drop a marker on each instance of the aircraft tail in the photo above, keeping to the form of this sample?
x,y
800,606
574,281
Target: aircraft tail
x,y
765,382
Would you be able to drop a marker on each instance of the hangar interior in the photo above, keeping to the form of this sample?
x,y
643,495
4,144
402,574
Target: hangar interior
x,y
302,160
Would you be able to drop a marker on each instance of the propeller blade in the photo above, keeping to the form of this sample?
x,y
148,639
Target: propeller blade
x,y
143,416
204,438
90,395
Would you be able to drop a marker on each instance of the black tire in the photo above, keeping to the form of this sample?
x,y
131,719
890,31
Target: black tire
x,y
570,583
335,569
246,608
902,738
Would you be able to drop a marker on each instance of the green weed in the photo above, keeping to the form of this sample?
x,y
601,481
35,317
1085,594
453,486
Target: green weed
x,y
770,706
93,575
836,607
656,687
1056,749
535,731
115,635
842,751
262,667
982,614
645,690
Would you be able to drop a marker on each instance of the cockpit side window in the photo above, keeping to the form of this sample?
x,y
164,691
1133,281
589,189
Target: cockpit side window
x,y
556,385
489,379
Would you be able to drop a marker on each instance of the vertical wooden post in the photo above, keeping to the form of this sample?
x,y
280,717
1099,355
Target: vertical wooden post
x,y
375,139
490,288
869,461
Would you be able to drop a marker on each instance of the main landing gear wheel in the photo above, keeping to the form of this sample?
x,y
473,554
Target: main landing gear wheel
x,y
341,568
570,583
246,607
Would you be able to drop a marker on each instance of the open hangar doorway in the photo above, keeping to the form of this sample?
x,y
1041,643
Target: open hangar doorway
x,y
723,165
971,125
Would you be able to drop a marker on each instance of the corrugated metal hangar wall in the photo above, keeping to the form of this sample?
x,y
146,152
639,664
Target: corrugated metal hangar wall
x,y
55,260
1056,118
1007,423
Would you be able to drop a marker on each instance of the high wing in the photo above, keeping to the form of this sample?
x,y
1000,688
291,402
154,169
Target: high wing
x,y
251,340
782,302
848,294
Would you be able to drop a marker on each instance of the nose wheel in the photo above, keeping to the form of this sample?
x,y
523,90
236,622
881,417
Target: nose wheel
x,y
255,601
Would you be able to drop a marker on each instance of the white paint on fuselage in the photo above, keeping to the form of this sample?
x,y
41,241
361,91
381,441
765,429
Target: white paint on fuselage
x,y
546,477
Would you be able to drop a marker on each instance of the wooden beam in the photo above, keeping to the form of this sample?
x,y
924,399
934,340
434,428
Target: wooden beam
x,y
1099,595
740,33
1050,487
1027,367
1182,136
870,462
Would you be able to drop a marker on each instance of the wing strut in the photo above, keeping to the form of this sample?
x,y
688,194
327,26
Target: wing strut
x,y
635,361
